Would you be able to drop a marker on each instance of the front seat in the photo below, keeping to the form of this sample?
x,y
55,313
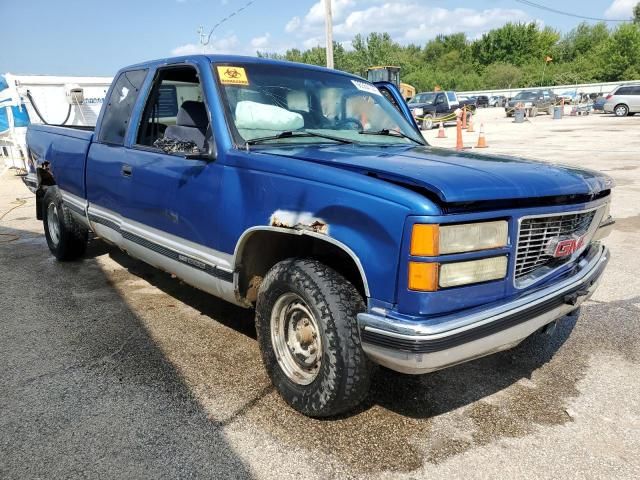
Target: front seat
x,y
191,124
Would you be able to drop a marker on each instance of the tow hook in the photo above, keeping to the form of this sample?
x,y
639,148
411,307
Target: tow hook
x,y
572,298
549,328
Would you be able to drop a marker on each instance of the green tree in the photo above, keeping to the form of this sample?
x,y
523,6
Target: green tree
x,y
502,75
582,40
621,54
515,43
636,13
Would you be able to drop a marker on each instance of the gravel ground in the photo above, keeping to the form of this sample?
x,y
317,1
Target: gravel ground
x,y
111,368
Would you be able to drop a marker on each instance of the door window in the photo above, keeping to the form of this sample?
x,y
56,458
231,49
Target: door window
x,y
118,110
175,117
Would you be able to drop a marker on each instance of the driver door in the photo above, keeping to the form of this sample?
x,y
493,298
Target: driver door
x,y
392,93
171,193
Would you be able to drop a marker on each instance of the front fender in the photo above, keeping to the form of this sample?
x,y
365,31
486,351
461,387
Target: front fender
x,y
368,226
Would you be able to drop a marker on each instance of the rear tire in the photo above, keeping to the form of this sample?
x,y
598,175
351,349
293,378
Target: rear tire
x,y
309,340
66,238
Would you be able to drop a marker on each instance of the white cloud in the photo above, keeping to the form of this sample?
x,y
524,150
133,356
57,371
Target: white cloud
x,y
313,42
229,44
406,20
620,9
292,25
232,45
261,42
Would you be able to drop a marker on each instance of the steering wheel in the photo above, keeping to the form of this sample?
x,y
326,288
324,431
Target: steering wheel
x,y
350,124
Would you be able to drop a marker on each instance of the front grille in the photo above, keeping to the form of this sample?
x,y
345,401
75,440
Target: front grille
x,y
535,234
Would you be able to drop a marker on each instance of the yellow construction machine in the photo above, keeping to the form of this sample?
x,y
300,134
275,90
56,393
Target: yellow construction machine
x,y
388,73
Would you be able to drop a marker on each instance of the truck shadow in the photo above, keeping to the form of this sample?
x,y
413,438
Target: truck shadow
x,y
86,389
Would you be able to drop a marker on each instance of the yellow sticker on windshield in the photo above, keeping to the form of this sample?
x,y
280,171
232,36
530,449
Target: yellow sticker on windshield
x,y
232,76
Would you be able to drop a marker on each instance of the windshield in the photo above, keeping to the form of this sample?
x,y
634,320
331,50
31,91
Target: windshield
x,y
423,98
263,100
525,95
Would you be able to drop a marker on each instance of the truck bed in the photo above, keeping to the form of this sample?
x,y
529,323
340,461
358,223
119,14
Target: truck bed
x,y
66,149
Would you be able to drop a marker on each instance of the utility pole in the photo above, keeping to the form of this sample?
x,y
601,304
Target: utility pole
x,y
202,36
328,32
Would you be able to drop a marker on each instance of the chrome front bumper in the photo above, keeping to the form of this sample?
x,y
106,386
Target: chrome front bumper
x,y
433,344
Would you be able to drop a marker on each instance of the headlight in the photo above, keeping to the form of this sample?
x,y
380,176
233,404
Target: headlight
x,y
428,277
475,271
432,240
418,112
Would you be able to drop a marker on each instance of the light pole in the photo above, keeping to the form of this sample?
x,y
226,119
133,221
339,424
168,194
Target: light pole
x,y
328,32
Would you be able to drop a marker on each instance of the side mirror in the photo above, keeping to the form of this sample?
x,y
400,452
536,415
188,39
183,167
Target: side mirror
x,y
210,153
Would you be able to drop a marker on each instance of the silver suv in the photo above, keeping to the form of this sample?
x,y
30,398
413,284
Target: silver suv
x,y
623,101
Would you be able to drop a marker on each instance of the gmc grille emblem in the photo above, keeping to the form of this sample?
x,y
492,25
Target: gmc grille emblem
x,y
561,247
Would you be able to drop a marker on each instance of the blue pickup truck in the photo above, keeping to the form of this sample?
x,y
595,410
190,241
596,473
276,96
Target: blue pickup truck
x,y
310,195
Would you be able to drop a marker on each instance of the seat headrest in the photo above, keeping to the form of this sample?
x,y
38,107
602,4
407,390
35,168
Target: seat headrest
x,y
192,114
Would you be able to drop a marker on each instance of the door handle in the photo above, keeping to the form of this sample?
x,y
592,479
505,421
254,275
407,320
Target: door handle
x,y
126,170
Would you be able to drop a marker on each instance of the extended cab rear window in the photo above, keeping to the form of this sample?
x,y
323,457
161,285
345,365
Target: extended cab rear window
x,y
118,110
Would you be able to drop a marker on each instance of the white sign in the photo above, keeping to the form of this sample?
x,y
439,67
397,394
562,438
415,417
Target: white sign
x,y
366,87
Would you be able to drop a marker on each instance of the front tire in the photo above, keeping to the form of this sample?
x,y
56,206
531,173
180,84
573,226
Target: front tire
x,y
66,238
309,339
427,122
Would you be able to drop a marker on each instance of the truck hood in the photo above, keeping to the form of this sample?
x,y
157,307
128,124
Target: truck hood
x,y
456,176
419,105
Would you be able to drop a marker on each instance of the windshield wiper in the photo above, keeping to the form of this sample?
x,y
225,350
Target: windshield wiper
x,y
296,134
390,133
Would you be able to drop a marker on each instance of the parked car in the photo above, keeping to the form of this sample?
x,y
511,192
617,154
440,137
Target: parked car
x,y
498,101
430,108
469,101
482,101
534,101
303,193
623,101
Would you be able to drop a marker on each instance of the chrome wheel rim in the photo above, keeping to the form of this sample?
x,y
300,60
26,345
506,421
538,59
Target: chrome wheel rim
x,y
53,222
428,123
621,111
296,339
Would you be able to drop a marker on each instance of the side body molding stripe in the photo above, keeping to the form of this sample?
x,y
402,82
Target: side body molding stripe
x,y
207,269
212,270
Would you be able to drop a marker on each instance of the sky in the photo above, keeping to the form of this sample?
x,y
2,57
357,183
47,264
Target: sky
x,y
97,37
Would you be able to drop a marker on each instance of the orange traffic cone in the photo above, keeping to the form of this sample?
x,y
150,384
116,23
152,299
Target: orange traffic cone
x,y
464,116
441,133
459,144
482,142
470,126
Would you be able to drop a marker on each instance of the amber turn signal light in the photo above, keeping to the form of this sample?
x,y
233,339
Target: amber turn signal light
x,y
423,276
425,240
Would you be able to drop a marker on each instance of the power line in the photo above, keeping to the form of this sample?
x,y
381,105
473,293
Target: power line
x,y
568,14
224,20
